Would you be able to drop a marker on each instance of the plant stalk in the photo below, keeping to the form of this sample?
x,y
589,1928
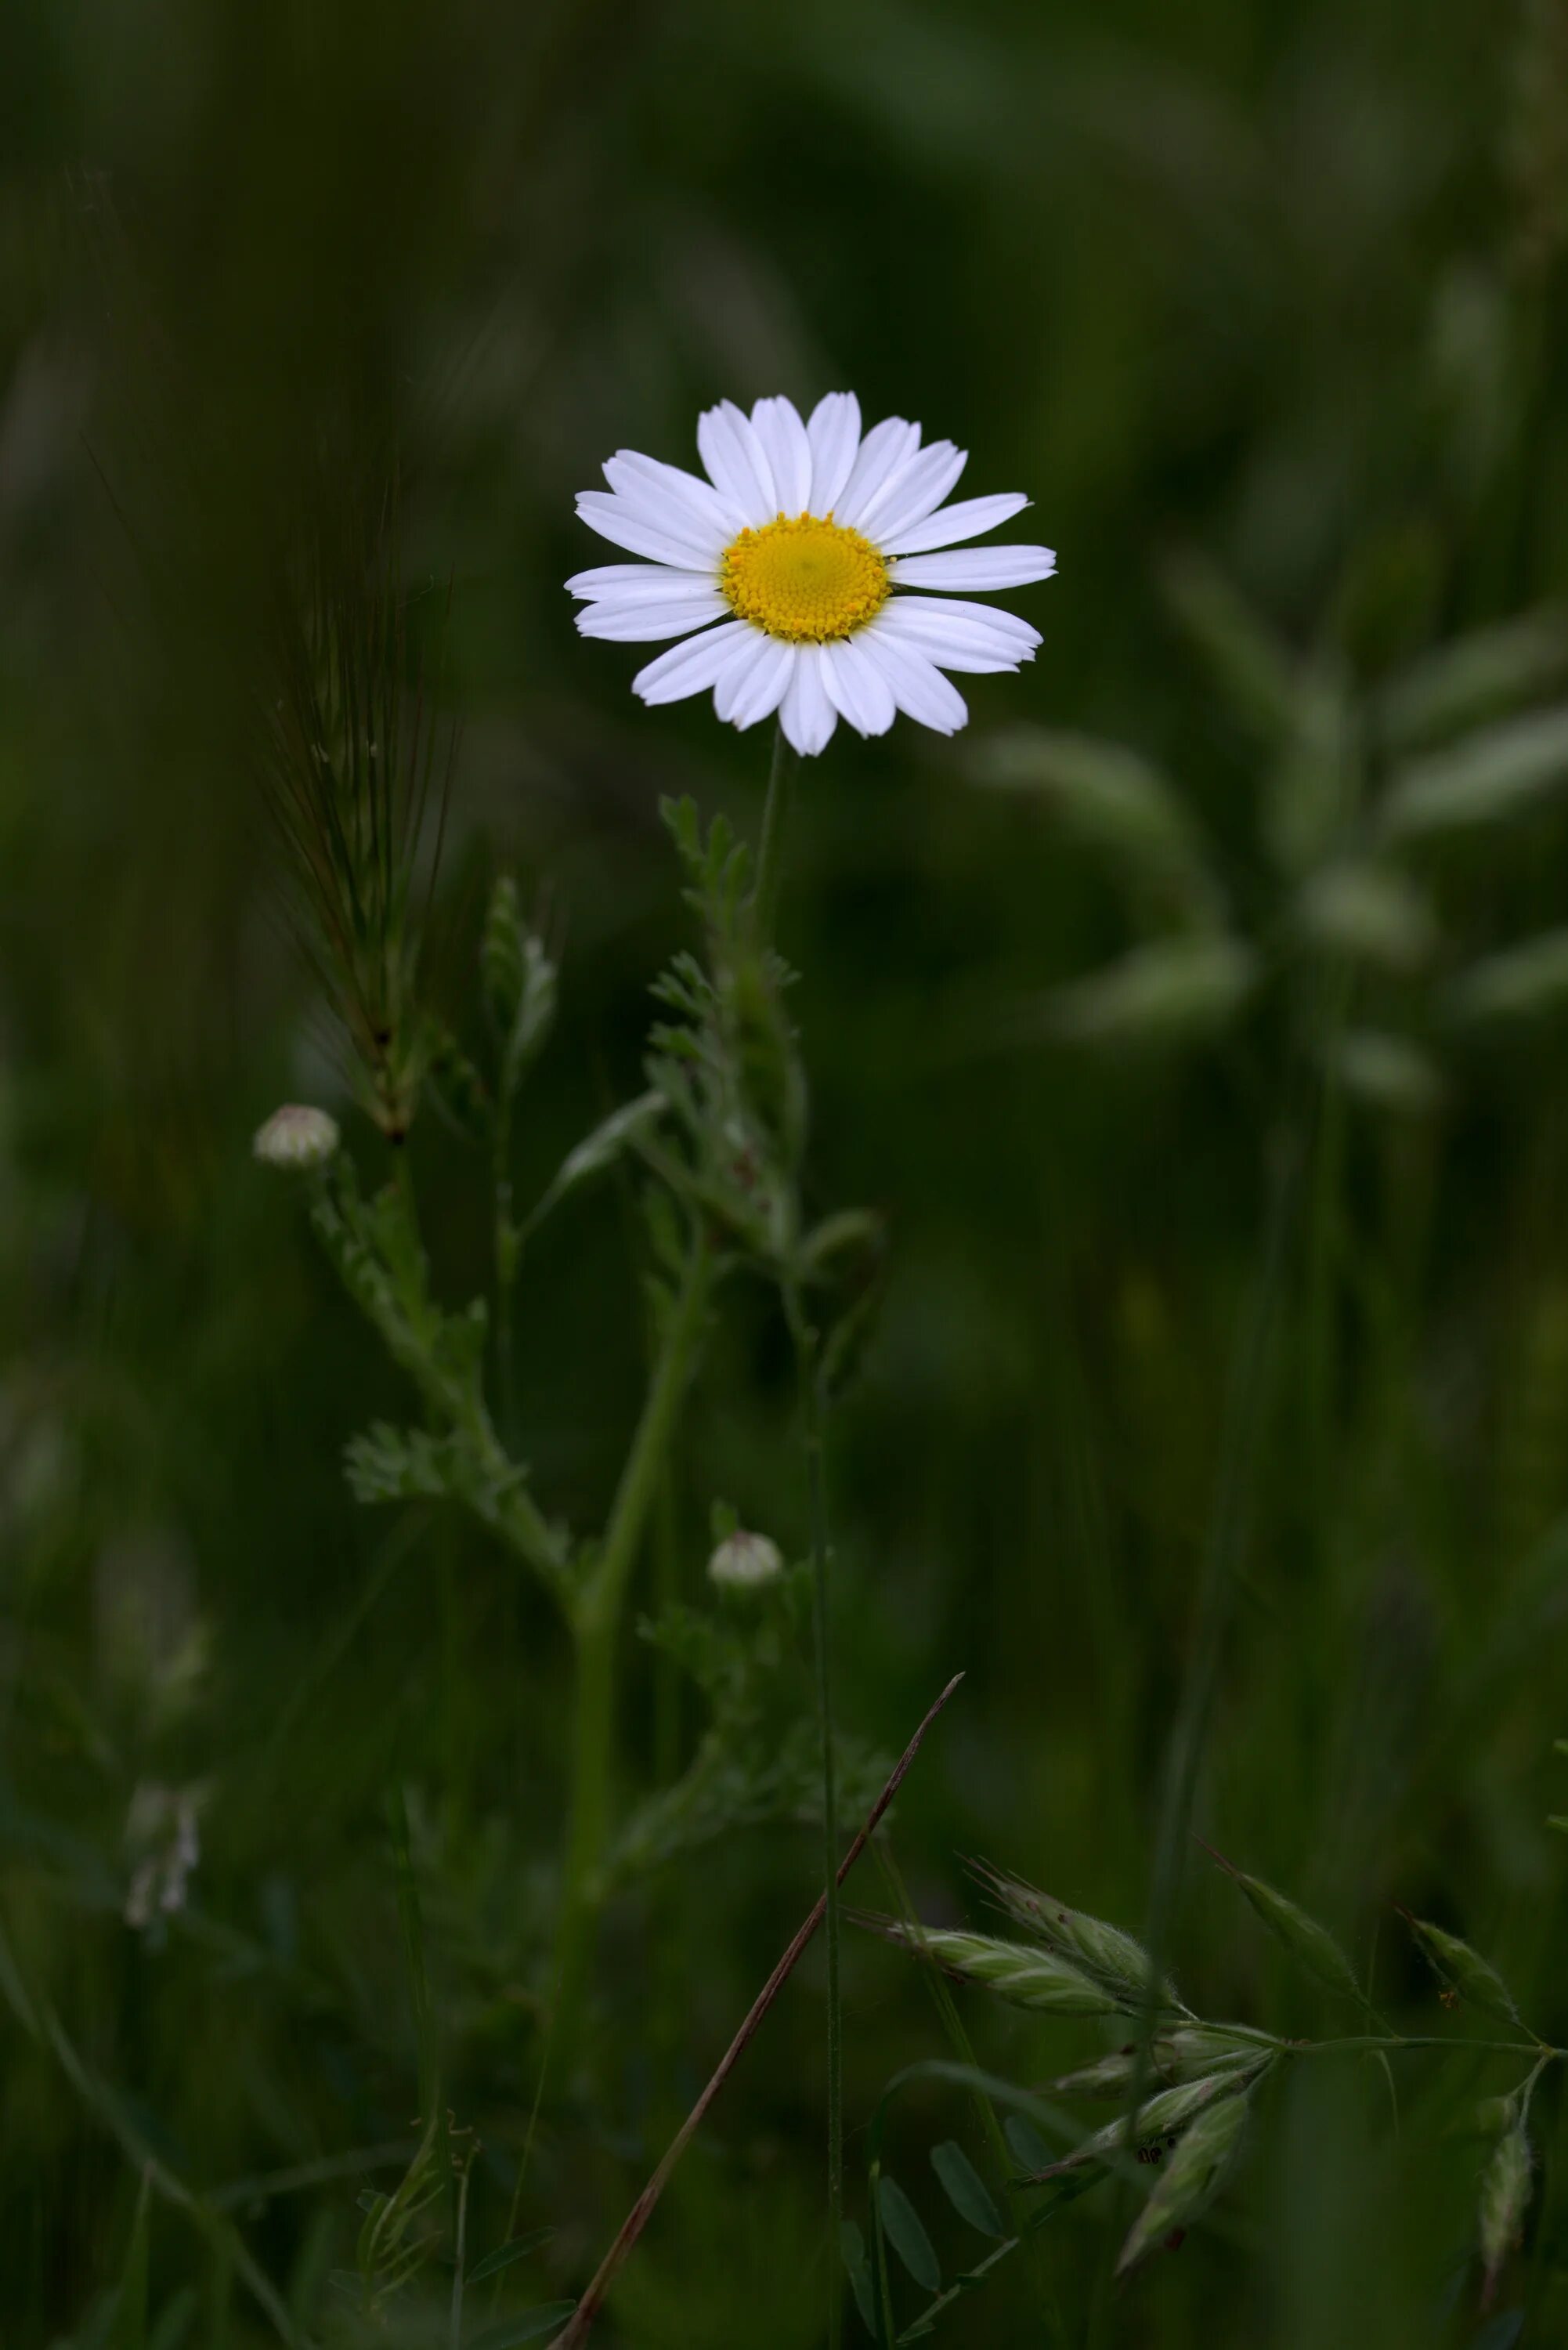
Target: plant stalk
x,y
775,824
580,2322
805,1350
595,1623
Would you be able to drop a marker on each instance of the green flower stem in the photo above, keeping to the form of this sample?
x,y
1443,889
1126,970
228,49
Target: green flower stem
x,y
775,823
1455,2045
806,1351
596,1617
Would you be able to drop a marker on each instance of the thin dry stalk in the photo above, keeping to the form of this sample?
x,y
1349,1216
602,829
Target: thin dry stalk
x,y
577,2327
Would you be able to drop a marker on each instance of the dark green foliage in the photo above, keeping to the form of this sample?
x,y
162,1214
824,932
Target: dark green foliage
x,y
1224,951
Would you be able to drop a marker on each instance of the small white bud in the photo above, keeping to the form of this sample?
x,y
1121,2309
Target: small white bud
x,y
743,1561
162,1830
297,1136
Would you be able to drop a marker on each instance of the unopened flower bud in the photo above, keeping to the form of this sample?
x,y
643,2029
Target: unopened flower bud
x,y
297,1136
743,1561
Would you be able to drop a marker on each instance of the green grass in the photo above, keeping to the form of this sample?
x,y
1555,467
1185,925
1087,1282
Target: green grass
x,y
1210,1410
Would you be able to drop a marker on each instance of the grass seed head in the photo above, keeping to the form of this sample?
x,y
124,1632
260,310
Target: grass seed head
x,y
1189,2180
1504,2194
1016,1971
1111,1957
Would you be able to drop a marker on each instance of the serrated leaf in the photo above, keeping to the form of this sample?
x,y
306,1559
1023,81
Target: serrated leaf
x,y
1475,1979
965,2190
1489,777
905,2230
857,2268
517,2250
525,2327
1190,2179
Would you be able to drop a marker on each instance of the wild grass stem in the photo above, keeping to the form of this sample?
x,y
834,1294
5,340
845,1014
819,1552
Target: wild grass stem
x,y
596,1617
806,1353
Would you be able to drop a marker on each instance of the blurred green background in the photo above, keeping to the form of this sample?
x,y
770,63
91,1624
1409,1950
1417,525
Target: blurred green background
x,y
1243,1270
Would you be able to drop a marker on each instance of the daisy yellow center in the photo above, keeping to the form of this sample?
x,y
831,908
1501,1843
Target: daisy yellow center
x,y
806,580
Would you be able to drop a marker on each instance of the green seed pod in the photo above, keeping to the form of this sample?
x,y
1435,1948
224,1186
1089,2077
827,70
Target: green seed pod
x,y
1169,2110
1311,1945
1108,2077
1465,1972
1103,1951
1190,2179
1027,1977
1504,2194
1193,2048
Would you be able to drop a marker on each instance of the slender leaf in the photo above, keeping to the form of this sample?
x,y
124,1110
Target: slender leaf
x,y
852,2249
1033,2153
907,2233
517,2250
966,2190
1489,777
526,2326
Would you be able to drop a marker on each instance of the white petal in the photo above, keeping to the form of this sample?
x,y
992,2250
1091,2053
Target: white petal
x,y
733,683
976,566
705,505
705,531
858,687
783,435
693,667
948,612
917,687
957,635
643,623
834,433
885,448
946,528
629,583
806,716
737,462
613,519
911,493
766,683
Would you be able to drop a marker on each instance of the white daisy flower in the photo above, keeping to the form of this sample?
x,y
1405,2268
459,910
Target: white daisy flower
x,y
784,571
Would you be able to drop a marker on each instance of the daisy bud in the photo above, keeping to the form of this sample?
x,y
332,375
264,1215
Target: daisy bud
x,y
743,1562
297,1136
